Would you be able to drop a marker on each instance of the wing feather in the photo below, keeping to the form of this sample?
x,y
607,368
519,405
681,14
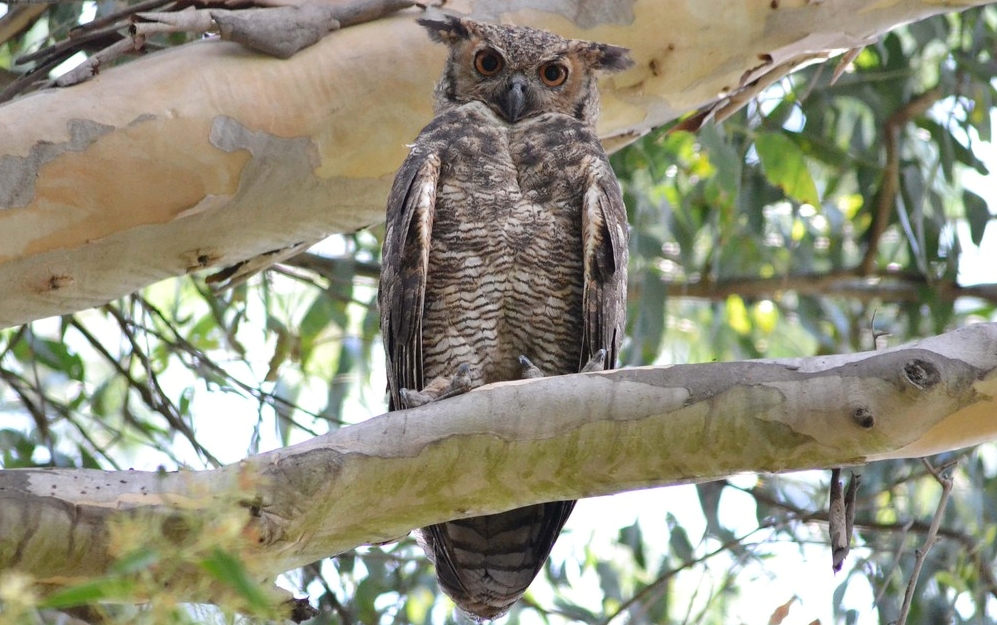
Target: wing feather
x,y
605,238
404,267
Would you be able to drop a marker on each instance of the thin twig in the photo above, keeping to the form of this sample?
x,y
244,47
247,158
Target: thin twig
x,y
71,45
19,19
153,394
656,585
885,200
929,540
885,286
37,75
200,359
24,389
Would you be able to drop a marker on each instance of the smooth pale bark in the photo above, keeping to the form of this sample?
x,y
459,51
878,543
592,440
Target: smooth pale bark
x,y
517,443
200,156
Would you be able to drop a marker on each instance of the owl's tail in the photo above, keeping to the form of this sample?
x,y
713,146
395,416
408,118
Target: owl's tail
x,y
485,564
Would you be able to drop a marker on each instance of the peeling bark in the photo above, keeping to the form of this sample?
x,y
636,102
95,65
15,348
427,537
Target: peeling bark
x,y
517,443
112,184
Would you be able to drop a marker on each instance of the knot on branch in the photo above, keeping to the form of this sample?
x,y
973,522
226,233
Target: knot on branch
x,y
922,374
863,417
266,529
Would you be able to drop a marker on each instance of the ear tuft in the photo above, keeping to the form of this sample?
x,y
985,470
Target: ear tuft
x,y
448,30
610,58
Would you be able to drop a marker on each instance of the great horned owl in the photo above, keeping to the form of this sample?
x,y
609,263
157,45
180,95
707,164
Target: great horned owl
x,y
505,255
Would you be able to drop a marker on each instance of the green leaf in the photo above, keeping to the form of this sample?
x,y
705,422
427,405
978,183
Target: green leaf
x,y
574,611
678,540
786,167
609,581
137,560
324,311
630,536
89,593
977,214
53,354
725,163
648,324
226,568
368,590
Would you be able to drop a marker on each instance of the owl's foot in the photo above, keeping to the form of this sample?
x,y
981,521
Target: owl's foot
x,y
530,371
439,388
596,363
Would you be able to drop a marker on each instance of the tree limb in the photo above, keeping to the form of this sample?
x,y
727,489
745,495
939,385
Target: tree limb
x,y
517,443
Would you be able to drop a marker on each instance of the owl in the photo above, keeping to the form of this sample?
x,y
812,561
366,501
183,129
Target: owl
x,y
504,257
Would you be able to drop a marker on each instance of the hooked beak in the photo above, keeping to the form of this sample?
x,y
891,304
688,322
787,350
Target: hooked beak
x,y
515,98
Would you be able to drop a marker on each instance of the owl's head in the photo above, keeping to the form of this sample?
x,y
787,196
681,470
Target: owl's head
x,y
521,72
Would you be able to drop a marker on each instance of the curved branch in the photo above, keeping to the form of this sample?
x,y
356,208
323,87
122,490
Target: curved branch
x,y
518,443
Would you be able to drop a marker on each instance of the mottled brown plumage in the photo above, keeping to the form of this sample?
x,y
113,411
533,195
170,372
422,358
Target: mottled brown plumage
x,y
506,237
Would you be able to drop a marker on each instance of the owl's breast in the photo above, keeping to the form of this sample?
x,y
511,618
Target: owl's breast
x,y
505,267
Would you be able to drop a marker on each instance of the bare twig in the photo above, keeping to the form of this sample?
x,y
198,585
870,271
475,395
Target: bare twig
x,y
91,67
19,19
37,76
25,390
845,62
653,589
68,47
152,393
885,200
929,540
970,544
199,359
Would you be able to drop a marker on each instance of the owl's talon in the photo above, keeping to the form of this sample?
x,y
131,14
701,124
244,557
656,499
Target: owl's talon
x,y
439,388
413,399
530,371
596,363
460,383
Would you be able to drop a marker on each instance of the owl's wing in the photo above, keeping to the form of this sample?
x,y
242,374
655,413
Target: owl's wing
x,y
405,263
605,240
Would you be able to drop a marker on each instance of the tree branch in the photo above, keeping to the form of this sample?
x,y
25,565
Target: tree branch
x,y
517,443
886,286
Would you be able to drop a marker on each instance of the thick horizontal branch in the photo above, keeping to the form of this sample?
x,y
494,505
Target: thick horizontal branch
x,y
512,444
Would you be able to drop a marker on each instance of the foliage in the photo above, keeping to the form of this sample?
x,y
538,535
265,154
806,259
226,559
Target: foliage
x,y
828,216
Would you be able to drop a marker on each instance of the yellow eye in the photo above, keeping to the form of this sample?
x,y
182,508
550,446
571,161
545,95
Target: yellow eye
x,y
553,74
488,62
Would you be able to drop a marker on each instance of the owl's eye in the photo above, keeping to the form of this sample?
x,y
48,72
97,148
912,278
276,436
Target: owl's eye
x,y
488,62
553,74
